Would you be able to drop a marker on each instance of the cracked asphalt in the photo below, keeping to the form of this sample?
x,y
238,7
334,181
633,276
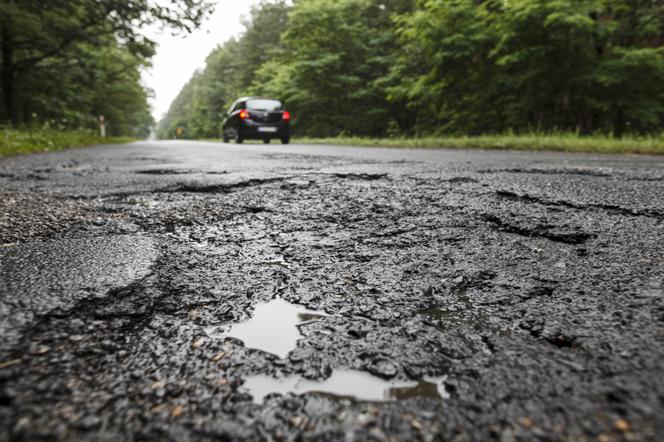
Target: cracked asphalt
x,y
532,282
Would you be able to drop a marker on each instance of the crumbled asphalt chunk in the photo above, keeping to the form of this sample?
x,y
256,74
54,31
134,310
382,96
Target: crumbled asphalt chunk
x,y
533,283
383,368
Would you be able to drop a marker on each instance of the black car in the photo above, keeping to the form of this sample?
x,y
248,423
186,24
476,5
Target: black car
x,y
254,118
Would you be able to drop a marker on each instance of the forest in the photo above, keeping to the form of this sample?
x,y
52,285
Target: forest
x,y
63,63
413,68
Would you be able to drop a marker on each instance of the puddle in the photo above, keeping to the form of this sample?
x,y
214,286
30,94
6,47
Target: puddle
x,y
273,328
351,384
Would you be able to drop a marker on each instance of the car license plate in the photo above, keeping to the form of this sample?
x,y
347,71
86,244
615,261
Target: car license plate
x,y
267,129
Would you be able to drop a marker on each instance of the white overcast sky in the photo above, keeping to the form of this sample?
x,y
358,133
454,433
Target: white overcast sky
x,y
178,57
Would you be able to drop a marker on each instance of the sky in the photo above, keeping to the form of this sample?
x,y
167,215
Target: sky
x,y
178,57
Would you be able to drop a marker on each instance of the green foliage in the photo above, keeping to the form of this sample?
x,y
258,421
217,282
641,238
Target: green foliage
x,y
560,142
231,68
338,54
427,67
67,62
21,141
583,65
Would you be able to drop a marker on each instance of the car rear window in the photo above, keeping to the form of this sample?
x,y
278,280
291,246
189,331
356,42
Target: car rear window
x,y
265,105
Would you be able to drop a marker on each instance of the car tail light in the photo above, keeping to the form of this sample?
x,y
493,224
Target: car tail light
x,y
286,116
244,114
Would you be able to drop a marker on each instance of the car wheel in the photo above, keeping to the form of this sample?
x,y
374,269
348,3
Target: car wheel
x,y
266,141
226,138
285,140
239,139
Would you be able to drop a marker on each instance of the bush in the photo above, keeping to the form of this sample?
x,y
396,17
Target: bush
x,y
22,141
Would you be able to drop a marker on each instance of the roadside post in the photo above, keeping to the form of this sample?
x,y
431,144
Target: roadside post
x,y
102,126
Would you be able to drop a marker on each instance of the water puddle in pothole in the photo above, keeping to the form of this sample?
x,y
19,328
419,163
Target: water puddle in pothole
x,y
273,328
352,384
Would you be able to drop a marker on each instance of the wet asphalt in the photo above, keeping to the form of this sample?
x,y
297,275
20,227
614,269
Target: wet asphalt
x,y
531,285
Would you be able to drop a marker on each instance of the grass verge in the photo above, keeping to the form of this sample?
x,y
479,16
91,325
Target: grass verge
x,y
22,141
532,142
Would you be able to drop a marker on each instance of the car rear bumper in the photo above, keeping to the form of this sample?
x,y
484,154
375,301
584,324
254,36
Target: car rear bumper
x,y
254,130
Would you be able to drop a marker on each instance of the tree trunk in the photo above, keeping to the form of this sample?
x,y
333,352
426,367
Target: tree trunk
x,y
8,76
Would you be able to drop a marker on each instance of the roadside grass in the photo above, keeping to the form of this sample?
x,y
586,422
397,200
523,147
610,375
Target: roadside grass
x,y
23,141
563,142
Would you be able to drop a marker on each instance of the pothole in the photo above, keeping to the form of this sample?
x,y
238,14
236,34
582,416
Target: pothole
x,y
352,384
273,328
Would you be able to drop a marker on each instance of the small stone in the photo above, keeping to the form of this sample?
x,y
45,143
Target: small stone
x,y
198,343
22,424
383,368
89,422
297,421
40,350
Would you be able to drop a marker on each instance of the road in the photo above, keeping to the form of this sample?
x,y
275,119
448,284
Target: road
x,y
202,291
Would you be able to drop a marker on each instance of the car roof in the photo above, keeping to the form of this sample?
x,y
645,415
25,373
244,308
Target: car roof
x,y
240,100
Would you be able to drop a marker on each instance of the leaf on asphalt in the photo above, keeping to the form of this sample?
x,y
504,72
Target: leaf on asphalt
x,y
177,411
158,408
526,422
9,363
218,356
622,425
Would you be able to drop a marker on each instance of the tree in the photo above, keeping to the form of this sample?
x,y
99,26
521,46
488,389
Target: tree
x,y
34,33
491,66
383,67
332,73
230,70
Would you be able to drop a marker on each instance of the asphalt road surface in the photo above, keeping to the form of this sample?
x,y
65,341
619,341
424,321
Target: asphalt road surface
x,y
201,291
